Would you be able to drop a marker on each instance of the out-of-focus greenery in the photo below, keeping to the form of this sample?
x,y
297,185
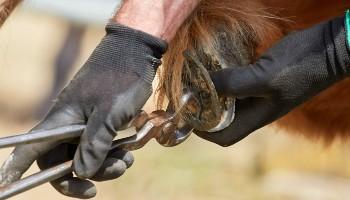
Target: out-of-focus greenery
x,y
269,164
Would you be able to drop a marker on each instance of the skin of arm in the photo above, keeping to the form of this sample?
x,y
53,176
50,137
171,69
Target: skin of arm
x,y
160,18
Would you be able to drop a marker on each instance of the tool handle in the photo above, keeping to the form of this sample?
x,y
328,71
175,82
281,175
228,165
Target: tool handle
x,y
34,180
61,133
53,173
129,143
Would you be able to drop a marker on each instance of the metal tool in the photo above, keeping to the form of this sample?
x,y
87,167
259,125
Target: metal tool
x,y
218,112
168,128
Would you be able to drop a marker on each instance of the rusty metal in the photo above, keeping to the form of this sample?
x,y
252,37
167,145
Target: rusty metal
x,y
218,112
169,129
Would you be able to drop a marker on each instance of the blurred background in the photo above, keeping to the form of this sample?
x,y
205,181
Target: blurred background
x,y
45,42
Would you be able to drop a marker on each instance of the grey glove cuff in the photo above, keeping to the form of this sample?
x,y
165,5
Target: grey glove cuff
x,y
144,51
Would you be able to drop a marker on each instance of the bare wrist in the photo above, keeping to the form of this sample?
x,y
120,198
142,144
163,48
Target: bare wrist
x,y
160,18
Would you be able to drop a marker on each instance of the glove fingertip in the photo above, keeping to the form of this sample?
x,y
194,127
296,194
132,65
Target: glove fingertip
x,y
83,165
124,155
128,159
75,187
111,169
224,140
91,153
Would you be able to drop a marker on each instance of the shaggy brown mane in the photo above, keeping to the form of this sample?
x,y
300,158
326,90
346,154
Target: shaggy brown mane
x,y
226,31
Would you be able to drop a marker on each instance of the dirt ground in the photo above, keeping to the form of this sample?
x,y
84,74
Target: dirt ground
x,y
269,164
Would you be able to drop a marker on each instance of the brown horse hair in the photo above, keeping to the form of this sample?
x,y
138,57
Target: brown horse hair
x,y
226,31
245,29
6,8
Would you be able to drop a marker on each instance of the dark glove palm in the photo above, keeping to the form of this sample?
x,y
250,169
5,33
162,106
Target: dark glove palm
x,y
298,67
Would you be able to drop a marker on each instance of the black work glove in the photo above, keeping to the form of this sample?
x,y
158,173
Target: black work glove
x,y
297,68
105,94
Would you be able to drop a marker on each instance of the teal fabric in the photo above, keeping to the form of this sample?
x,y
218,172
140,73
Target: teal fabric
x,y
347,26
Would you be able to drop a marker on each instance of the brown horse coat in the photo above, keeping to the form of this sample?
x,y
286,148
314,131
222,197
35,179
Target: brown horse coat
x,y
255,26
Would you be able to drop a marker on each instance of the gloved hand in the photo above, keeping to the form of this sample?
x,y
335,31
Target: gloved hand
x,y
295,69
105,94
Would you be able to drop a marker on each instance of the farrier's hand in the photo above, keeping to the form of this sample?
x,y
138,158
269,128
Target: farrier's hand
x,y
105,94
298,67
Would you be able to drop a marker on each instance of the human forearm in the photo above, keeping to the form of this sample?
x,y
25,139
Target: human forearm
x,y
160,18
